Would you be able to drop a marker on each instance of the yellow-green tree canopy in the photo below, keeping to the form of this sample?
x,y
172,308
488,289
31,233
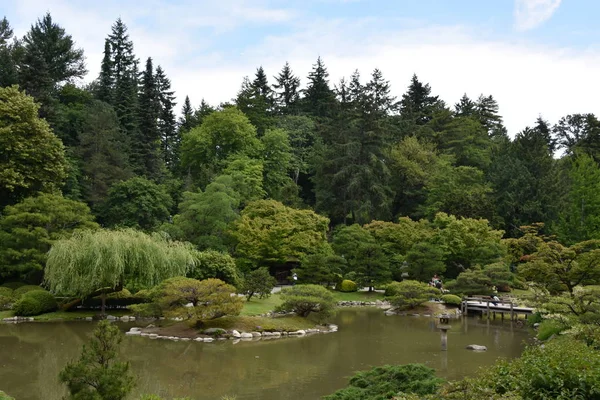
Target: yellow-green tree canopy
x,y
270,233
32,158
94,260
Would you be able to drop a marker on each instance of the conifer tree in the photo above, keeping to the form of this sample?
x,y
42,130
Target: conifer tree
x,y
105,88
486,111
255,99
319,98
8,67
167,126
50,58
465,107
417,104
145,150
286,91
124,72
186,121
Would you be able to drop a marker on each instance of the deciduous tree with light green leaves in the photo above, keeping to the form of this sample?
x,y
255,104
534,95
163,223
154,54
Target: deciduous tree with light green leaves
x,y
32,158
29,228
222,134
93,263
269,233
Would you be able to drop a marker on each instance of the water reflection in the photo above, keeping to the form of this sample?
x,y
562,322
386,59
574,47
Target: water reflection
x,y
31,356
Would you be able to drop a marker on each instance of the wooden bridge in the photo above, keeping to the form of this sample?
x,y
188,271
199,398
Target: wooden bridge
x,y
490,307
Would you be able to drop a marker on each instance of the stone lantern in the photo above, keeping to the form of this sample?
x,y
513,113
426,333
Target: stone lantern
x,y
444,326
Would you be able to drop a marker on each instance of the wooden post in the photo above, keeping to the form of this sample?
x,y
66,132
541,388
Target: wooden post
x,y
488,309
444,339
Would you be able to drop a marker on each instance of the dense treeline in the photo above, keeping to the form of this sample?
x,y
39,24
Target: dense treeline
x,y
338,177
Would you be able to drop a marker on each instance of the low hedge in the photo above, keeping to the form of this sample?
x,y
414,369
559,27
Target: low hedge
x,y
35,303
347,286
19,292
451,299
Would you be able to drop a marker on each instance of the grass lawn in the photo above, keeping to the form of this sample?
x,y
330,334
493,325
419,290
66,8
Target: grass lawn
x,y
68,315
357,296
258,306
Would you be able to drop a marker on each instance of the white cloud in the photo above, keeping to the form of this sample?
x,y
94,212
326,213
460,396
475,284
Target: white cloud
x,y
527,79
532,13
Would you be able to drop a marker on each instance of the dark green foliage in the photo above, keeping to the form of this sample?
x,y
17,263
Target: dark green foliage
x,y
98,375
473,282
13,285
321,269
287,93
364,256
145,150
137,203
49,59
29,228
307,299
214,264
319,99
451,299
389,381
170,137
417,104
35,302
347,286
410,294
6,297
258,282
425,259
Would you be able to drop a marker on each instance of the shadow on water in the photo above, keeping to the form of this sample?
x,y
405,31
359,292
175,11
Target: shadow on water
x,y
32,355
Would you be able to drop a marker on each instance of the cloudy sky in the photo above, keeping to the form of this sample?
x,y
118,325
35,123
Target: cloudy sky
x,y
537,57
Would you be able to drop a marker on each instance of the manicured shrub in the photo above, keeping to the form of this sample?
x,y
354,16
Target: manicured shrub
x,y
451,299
387,381
13,285
391,289
24,289
347,286
6,292
410,294
146,310
306,299
35,303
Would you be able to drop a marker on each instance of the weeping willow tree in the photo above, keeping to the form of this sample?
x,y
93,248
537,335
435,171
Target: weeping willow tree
x,y
93,263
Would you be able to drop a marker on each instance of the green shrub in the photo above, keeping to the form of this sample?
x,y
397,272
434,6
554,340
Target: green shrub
x,y
548,328
562,369
6,297
24,289
145,294
347,286
410,294
306,299
391,289
387,381
6,292
35,303
13,285
451,299
535,318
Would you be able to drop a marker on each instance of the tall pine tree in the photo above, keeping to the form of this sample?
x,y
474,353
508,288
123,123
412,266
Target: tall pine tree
x,y
287,91
105,88
167,126
319,99
146,155
417,104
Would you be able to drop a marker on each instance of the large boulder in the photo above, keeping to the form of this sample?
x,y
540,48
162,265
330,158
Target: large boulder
x,y
236,334
246,335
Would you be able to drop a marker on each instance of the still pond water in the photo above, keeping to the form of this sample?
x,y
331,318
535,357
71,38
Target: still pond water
x,y
32,354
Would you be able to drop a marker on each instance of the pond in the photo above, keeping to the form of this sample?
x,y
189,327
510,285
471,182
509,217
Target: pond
x,y
32,354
